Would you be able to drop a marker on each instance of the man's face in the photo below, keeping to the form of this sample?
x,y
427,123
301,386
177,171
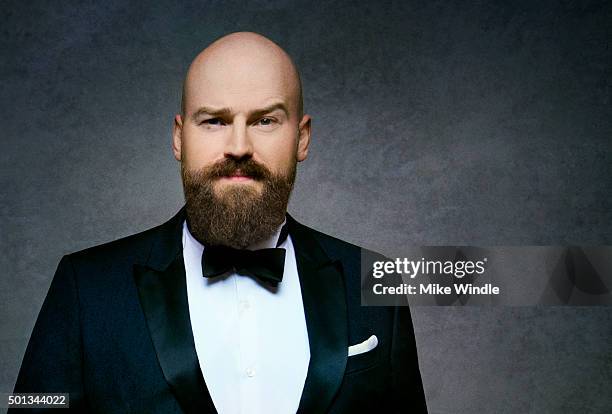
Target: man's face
x,y
239,139
240,118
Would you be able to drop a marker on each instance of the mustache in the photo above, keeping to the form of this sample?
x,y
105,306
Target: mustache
x,y
231,166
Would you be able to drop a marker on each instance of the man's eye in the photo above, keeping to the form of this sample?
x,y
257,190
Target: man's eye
x,y
266,121
212,121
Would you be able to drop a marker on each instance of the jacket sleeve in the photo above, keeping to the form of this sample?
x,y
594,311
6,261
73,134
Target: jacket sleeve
x,y
407,383
54,356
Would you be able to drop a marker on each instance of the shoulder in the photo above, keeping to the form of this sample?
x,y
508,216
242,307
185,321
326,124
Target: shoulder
x,y
336,248
135,248
132,246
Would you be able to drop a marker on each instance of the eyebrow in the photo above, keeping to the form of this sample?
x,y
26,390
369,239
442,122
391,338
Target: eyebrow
x,y
205,110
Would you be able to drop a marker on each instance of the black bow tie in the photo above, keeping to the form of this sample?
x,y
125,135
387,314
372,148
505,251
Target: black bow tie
x,y
265,264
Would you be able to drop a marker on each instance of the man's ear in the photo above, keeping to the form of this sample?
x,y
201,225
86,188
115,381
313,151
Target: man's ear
x,y
177,136
303,138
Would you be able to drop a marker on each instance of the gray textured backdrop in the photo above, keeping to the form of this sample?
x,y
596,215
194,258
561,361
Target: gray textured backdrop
x,y
434,123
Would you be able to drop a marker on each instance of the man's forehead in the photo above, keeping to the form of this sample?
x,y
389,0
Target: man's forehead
x,y
220,78
239,95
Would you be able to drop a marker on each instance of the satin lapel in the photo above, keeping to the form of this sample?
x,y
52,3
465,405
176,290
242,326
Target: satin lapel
x,y
324,297
162,292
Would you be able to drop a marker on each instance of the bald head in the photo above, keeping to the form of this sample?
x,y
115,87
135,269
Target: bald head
x,y
242,63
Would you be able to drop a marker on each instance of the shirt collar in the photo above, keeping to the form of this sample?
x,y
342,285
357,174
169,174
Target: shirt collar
x,y
270,242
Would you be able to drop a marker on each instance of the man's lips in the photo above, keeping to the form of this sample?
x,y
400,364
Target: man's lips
x,y
237,176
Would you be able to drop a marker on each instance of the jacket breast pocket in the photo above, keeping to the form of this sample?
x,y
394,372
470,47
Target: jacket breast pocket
x,y
364,361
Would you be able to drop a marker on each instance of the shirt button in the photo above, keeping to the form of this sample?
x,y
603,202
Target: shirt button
x,y
244,305
250,372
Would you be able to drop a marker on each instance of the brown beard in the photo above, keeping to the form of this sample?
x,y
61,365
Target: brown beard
x,y
241,215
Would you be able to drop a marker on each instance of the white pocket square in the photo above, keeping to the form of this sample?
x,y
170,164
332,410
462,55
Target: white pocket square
x,y
365,346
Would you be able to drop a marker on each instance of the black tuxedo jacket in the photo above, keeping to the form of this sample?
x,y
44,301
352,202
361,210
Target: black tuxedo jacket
x,y
114,332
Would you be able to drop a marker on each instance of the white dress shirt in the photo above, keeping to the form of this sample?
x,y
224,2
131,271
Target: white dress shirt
x,y
251,341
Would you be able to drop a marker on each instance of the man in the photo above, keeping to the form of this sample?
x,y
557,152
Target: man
x,y
231,306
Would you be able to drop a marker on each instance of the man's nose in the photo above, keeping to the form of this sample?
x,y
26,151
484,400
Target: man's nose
x,y
239,144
